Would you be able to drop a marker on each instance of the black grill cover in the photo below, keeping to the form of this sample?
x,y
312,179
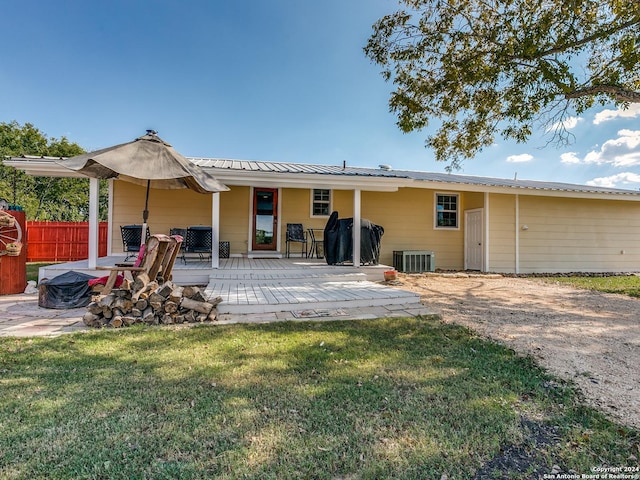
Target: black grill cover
x,y
338,241
69,290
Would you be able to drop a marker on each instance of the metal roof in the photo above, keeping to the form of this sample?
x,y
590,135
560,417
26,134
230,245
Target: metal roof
x,y
302,169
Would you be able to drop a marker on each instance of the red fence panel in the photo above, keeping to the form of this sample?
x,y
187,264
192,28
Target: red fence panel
x,y
62,241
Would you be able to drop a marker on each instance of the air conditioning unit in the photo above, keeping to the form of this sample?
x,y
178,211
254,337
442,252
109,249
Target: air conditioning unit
x,y
414,261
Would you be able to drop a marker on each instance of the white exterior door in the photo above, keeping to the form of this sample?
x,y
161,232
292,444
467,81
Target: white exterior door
x,y
473,239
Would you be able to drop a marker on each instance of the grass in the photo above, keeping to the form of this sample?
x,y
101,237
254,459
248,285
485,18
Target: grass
x,y
393,398
623,284
32,270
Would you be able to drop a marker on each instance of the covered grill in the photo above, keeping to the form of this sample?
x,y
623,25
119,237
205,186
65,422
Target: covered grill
x,y
338,241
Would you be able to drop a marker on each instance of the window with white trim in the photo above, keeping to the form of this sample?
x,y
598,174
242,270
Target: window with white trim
x,y
447,208
320,202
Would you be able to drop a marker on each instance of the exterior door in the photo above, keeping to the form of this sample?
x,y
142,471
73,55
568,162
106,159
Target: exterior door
x,y
473,239
265,219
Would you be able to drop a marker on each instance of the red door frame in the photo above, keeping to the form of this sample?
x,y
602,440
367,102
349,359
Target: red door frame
x,y
273,245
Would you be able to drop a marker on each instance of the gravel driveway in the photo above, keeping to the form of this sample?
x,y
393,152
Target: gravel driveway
x,y
590,338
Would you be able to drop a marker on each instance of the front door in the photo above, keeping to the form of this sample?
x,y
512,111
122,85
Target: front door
x,y
473,233
265,219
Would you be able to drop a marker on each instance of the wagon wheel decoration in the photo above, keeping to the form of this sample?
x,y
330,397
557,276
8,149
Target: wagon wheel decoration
x,y
10,235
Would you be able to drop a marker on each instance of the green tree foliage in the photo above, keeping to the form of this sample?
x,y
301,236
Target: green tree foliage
x,y
44,198
483,68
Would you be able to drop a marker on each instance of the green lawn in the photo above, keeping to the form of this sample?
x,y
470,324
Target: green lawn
x,y
394,398
624,284
32,270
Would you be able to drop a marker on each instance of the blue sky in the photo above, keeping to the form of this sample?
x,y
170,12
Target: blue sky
x,y
277,80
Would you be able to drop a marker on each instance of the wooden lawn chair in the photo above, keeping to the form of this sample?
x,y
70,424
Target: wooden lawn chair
x,y
159,253
166,270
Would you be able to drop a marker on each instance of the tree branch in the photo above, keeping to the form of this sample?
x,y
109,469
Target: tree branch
x,y
591,38
620,94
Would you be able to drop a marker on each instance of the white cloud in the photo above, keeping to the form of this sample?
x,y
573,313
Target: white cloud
x,y
569,157
606,115
566,124
623,151
523,157
614,180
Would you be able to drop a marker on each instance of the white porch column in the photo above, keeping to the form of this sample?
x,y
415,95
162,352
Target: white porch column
x,y
487,263
110,219
94,187
215,230
356,227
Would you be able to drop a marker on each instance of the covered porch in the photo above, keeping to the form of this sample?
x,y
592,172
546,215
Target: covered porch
x,y
301,286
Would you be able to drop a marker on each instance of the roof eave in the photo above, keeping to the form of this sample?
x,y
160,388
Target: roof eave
x,y
526,190
41,167
307,180
46,166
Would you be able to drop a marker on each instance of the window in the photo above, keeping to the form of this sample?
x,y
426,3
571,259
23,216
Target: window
x,y
446,210
320,202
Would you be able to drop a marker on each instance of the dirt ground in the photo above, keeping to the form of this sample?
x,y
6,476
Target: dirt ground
x,y
590,338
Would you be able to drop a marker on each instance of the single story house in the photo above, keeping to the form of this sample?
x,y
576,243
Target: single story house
x,y
469,222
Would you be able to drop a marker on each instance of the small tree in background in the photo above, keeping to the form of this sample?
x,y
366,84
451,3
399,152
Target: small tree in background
x,y
44,198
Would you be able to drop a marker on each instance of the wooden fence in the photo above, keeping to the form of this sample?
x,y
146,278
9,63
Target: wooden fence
x,y
62,241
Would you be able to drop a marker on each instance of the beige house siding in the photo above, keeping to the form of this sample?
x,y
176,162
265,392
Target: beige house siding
x,y
181,209
296,208
407,217
568,235
502,234
235,206
167,209
472,200
562,234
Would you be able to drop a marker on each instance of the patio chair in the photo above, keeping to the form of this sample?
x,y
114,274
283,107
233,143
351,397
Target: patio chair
x,y
131,240
166,268
296,234
317,245
155,262
181,232
198,240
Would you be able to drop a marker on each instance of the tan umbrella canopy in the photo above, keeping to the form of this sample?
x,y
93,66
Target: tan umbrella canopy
x,y
148,161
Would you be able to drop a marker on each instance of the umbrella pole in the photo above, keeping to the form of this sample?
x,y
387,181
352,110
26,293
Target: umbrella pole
x,y
145,216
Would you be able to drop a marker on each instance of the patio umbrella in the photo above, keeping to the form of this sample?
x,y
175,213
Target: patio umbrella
x,y
148,161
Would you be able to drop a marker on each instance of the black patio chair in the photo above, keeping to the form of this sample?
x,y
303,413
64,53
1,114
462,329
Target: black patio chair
x,y
131,239
296,234
198,240
317,244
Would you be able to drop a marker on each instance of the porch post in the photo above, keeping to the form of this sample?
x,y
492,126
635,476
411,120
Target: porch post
x,y
93,221
110,219
215,230
356,228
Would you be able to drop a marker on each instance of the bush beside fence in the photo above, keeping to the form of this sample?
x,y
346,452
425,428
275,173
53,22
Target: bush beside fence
x,y
62,241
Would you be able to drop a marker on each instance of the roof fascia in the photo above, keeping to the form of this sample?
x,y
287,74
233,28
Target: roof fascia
x,y
41,168
536,192
304,180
